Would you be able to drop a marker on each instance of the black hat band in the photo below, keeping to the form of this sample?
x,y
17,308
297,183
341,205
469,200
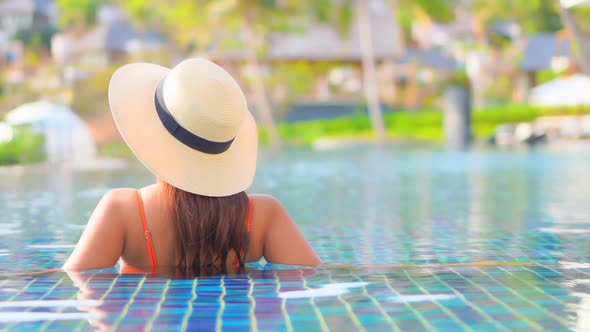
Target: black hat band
x,y
177,131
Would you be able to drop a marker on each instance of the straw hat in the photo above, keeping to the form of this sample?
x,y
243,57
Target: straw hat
x,y
189,125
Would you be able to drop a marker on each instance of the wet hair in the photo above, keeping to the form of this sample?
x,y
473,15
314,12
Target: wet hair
x,y
208,229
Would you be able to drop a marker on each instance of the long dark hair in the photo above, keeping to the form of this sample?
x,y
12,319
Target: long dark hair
x,y
208,229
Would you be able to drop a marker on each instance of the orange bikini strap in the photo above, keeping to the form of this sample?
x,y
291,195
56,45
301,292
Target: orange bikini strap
x,y
249,225
146,231
250,213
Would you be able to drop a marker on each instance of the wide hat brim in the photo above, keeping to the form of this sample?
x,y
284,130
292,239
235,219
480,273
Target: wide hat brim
x,y
131,98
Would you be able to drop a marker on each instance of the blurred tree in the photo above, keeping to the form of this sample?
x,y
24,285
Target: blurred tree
x,y
369,71
36,42
342,13
39,37
245,25
581,14
406,11
533,15
568,15
255,20
78,13
242,26
205,25
186,22
541,16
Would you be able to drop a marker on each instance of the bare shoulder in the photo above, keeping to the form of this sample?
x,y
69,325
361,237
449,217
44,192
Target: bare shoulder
x,y
267,205
117,202
265,200
283,242
119,196
267,209
106,225
270,213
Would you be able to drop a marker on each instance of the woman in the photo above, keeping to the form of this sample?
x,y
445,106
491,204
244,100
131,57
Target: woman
x,y
190,126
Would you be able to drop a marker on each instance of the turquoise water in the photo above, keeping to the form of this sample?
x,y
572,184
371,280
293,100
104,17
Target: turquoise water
x,y
364,207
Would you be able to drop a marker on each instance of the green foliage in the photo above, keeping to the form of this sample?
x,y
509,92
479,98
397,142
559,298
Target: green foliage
x,y
140,11
36,38
506,114
182,21
89,97
408,10
546,75
36,41
308,131
337,13
204,24
78,13
458,78
426,125
533,15
499,90
115,150
405,16
582,17
13,95
437,10
297,77
25,147
570,110
199,23
264,137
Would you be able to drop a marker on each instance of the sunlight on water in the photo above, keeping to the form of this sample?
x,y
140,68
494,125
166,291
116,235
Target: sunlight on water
x,y
363,206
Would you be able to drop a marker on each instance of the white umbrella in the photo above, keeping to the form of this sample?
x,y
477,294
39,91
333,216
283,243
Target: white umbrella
x,y
41,112
67,138
570,91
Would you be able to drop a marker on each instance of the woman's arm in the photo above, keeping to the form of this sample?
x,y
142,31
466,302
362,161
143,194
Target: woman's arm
x,y
102,242
283,242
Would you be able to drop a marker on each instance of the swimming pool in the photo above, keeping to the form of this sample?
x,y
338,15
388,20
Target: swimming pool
x,y
364,206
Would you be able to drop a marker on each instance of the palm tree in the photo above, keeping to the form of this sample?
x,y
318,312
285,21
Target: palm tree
x,y
438,9
251,39
570,23
195,25
369,71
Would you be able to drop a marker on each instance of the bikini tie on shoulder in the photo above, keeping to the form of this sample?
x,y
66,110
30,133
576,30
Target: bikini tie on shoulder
x,y
248,225
146,232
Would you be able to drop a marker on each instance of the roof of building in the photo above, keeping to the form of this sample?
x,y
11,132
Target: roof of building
x,y
542,48
431,57
112,37
11,6
324,42
115,37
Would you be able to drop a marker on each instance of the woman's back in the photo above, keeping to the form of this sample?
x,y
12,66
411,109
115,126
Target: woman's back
x,y
159,220
116,230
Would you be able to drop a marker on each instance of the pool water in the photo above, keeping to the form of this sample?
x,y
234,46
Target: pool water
x,y
373,210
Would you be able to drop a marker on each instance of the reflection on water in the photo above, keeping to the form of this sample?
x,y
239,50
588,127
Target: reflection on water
x,y
363,205
531,297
